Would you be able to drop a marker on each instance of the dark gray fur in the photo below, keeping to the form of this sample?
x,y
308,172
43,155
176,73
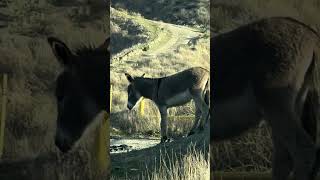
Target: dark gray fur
x,y
81,89
268,70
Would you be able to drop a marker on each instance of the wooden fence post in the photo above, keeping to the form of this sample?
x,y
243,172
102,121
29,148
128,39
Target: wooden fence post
x,y
3,111
141,108
110,97
101,153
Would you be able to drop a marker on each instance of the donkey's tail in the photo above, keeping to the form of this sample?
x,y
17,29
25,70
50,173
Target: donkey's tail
x,y
207,93
312,105
316,93
207,98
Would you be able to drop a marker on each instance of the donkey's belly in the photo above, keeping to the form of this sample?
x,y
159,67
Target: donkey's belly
x,y
234,116
179,99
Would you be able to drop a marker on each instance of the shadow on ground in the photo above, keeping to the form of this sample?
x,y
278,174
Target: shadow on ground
x,y
134,163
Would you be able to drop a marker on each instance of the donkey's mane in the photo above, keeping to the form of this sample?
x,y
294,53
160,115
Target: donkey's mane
x,y
302,24
145,78
84,50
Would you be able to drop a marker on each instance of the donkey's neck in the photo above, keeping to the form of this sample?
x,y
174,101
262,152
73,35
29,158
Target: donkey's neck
x,y
147,87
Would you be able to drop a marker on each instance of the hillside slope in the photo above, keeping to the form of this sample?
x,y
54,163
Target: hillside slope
x,y
182,12
168,48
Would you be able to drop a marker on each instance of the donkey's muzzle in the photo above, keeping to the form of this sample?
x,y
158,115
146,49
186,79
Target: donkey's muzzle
x,y
129,106
63,146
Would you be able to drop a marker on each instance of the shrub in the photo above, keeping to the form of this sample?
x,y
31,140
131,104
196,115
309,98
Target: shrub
x,y
28,18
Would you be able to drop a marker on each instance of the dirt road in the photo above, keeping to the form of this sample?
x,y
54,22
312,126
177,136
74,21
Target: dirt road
x,y
165,39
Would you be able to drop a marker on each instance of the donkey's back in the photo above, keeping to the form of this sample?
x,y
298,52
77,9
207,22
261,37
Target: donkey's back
x,y
193,78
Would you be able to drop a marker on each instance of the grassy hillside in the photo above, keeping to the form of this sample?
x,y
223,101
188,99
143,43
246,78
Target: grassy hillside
x,y
182,12
252,151
126,32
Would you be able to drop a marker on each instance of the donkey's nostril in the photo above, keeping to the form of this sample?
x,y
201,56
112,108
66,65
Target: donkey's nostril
x,y
129,106
62,145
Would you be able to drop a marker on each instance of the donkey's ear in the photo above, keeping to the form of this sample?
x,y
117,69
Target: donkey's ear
x,y
60,50
105,45
143,74
129,77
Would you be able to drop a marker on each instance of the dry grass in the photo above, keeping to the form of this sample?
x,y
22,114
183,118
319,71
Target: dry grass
x,y
78,164
131,123
194,165
250,152
125,32
31,112
191,166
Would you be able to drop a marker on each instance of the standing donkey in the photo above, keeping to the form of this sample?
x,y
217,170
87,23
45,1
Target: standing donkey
x,y
81,90
174,90
268,69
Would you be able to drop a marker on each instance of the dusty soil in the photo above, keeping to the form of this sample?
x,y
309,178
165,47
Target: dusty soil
x,y
123,145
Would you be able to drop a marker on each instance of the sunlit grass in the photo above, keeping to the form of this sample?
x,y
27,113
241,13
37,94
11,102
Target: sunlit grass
x,y
194,165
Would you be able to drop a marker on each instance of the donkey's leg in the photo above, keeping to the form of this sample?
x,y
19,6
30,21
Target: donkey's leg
x,y
316,165
196,121
205,113
282,162
310,118
207,100
200,103
298,144
163,123
279,106
303,155
300,100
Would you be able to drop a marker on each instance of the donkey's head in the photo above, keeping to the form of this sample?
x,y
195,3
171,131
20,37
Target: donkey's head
x,y
81,90
134,95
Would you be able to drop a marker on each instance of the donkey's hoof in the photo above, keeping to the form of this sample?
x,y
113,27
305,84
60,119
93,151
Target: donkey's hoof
x,y
190,133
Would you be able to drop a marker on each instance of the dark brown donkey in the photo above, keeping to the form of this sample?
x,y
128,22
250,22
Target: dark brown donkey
x,y
82,90
171,91
268,69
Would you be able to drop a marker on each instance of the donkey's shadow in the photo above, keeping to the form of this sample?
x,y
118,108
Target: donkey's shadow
x,y
134,163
